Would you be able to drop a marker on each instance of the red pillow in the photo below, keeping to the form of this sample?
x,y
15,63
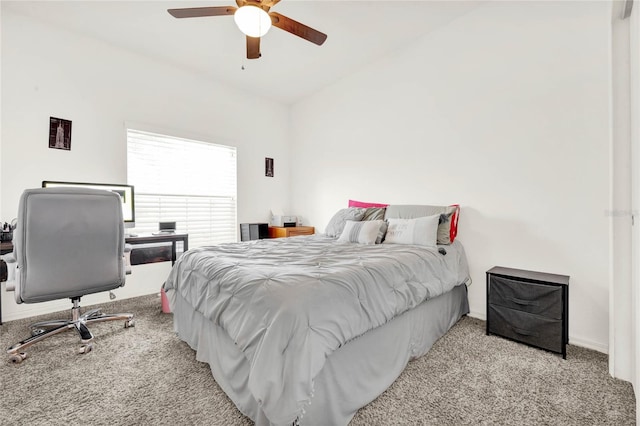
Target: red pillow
x,y
454,222
353,203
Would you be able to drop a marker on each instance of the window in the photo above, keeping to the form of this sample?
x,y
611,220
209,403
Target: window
x,y
187,181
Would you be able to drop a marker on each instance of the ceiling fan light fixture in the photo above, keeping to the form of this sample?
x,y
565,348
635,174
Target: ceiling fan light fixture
x,y
252,20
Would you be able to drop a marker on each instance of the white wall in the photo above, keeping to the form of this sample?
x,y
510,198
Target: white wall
x,y
505,111
50,72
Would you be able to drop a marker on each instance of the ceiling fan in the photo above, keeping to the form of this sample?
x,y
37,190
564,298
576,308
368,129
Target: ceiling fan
x,y
254,20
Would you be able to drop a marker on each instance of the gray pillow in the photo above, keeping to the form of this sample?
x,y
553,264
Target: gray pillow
x,y
382,232
374,213
337,222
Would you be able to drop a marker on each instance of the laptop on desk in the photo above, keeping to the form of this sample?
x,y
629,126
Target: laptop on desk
x,y
166,228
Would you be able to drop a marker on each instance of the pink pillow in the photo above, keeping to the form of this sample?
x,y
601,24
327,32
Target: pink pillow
x,y
353,203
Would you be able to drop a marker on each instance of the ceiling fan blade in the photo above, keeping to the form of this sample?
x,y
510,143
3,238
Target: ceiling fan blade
x,y
295,27
253,47
198,12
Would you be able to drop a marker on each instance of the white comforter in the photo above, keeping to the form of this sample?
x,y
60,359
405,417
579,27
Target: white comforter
x,y
288,303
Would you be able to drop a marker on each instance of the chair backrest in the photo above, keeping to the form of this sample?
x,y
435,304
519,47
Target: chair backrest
x,y
69,242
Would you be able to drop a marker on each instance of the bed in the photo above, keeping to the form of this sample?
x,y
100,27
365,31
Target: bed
x,y
308,329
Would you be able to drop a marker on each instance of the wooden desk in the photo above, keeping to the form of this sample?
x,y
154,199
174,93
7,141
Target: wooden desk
x,y
173,238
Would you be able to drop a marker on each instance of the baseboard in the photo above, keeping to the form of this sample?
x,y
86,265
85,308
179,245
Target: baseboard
x,y
573,340
589,344
477,315
31,310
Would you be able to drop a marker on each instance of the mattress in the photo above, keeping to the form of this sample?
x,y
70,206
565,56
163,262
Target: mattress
x,y
285,306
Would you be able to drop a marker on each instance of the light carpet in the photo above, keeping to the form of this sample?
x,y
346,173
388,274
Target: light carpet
x,y
146,376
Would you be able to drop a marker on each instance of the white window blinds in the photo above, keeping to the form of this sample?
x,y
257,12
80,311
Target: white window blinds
x,y
183,180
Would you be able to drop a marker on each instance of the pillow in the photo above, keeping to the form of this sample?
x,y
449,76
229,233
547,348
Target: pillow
x,y
450,225
382,232
337,222
361,232
353,203
447,229
374,213
421,231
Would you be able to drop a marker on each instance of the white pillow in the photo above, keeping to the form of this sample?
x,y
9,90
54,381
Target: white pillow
x,y
365,232
422,231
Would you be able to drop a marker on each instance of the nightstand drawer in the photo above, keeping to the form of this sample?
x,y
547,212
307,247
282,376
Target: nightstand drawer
x,y
284,232
527,328
540,299
300,231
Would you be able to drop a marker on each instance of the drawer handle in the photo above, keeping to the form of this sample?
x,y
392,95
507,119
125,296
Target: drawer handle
x,y
524,302
524,332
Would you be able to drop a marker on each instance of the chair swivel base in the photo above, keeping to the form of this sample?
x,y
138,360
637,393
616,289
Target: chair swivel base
x,y
42,330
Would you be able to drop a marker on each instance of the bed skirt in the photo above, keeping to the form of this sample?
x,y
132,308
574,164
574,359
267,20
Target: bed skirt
x,y
353,375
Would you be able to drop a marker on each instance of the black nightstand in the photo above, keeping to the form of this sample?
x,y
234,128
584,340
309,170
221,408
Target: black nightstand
x,y
529,307
253,231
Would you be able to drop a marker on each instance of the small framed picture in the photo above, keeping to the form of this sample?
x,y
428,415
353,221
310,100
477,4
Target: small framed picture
x,y
59,133
268,167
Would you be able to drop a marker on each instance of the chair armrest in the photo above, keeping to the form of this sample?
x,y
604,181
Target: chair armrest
x,y
8,266
127,259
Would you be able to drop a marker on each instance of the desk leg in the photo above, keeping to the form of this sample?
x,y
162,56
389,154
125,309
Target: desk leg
x,y
3,278
174,250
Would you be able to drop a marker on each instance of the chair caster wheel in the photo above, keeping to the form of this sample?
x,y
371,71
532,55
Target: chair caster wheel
x,y
17,358
129,323
85,349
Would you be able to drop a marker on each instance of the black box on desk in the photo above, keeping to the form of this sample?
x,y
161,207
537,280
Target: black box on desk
x,y
254,231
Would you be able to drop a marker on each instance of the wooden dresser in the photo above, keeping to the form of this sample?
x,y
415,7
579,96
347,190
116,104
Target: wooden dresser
x,y
292,231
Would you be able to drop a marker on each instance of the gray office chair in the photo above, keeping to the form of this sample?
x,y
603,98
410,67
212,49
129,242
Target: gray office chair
x,y
69,242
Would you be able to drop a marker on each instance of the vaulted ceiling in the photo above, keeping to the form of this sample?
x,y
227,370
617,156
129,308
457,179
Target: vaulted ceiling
x,y
359,32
